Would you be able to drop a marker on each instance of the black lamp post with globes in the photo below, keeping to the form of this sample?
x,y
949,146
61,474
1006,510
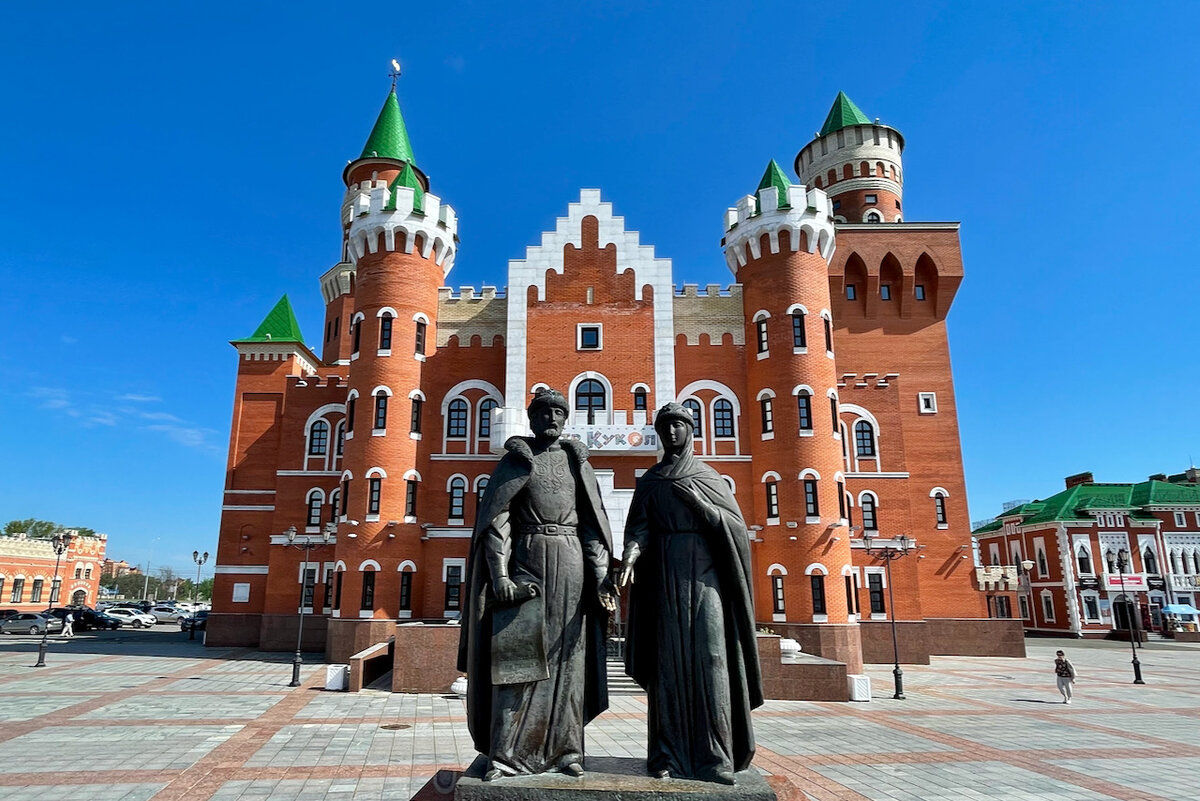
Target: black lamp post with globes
x,y
887,550
60,543
307,545
199,559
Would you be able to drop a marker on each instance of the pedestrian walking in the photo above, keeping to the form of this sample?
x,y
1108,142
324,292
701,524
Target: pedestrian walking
x,y
1064,672
68,629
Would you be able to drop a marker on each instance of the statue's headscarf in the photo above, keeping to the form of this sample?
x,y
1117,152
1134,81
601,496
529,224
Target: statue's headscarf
x,y
550,397
674,411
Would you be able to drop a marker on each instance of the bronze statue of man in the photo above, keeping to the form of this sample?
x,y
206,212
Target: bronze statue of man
x,y
691,641
536,611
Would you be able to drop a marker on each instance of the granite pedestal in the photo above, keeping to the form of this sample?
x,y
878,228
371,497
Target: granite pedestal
x,y
607,779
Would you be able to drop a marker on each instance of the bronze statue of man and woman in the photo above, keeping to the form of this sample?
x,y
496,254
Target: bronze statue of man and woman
x,y
540,595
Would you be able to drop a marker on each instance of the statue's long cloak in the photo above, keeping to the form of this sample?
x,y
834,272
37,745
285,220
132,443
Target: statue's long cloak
x,y
474,644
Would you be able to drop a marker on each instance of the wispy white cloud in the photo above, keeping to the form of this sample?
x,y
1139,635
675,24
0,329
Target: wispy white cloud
x,y
165,417
133,397
51,397
103,418
188,436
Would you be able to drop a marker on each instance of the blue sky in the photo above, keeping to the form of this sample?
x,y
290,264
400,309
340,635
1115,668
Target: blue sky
x,y
167,170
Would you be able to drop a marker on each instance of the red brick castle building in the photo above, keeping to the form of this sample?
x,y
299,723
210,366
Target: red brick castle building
x,y
820,381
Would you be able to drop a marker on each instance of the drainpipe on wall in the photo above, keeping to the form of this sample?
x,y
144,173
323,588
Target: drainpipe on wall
x,y
1068,571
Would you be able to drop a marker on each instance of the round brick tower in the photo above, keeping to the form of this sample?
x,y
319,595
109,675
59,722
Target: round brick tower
x,y
778,243
400,244
857,163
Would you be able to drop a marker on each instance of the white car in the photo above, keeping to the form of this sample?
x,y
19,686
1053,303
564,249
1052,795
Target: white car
x,y
167,614
130,617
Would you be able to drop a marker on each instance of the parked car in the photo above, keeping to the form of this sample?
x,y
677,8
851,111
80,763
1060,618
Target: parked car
x,y
198,621
99,620
86,618
130,617
166,614
7,613
31,623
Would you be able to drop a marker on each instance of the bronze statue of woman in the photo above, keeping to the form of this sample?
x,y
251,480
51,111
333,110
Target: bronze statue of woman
x,y
691,641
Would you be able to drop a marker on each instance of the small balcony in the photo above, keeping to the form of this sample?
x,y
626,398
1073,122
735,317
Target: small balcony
x,y
994,578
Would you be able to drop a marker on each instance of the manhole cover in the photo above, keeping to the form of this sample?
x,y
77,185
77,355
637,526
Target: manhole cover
x,y
395,726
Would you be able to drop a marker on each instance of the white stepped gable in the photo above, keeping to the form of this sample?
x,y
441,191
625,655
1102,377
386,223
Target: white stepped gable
x,y
810,212
631,255
369,217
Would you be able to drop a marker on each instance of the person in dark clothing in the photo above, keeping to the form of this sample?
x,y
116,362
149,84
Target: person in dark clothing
x,y
1064,673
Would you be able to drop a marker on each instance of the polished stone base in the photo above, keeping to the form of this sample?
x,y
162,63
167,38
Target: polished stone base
x,y
607,779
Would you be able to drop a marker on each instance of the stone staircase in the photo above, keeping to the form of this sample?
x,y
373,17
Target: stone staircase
x,y
619,683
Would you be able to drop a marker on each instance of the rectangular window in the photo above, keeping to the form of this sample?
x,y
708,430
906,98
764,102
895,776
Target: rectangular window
x,y
885,291
337,590
833,414
453,587
325,588
373,498
458,497
1091,608
768,415
919,292
368,590
1180,520
1003,606
851,596
837,205
406,590
799,336
723,418
345,496
36,594
828,335
381,403
241,592
939,505
350,407
419,343
1023,605
410,498
772,499
337,326
357,334
589,337
841,488
818,593
851,292
871,199
1048,608
875,590
18,589
777,593
927,402
761,327
639,400
308,587
804,407
385,332
55,586
415,421
811,505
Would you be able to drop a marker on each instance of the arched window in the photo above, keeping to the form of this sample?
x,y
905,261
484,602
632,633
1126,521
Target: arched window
x,y
1084,559
480,488
339,447
828,334
381,404
419,339
639,400
357,326
939,508
590,398
818,593
864,438
485,417
376,490
772,489
458,494
693,406
777,594
804,407
344,497
318,438
456,419
833,412
767,407
1043,567
799,337
385,332
351,407
315,499
333,505
1149,561
873,217
760,328
723,418
841,490
812,505
869,517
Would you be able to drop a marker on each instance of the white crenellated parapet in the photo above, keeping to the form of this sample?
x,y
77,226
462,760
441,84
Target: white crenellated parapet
x,y
373,211
810,212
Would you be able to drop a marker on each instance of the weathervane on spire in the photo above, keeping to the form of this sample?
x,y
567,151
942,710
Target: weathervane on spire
x,y
395,72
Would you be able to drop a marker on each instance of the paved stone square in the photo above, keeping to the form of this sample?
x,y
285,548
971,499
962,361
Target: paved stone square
x,y
141,715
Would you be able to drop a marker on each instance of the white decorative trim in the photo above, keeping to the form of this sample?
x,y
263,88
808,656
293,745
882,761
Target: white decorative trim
x,y
777,570
814,567
230,508
247,570
369,563
631,256
375,472
411,475
746,223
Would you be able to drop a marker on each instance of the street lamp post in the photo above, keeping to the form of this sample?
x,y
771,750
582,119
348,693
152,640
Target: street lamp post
x,y
326,535
1122,563
60,543
887,551
146,585
199,559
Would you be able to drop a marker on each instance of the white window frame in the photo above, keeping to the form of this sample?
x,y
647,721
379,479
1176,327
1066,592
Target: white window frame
x,y
579,336
927,403
1042,597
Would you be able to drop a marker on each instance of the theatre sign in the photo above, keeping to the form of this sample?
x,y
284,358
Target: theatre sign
x,y
615,439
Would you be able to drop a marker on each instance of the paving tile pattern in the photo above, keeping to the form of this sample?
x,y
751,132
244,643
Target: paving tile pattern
x,y
222,724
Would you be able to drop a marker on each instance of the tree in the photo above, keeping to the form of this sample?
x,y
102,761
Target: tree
x,y
43,529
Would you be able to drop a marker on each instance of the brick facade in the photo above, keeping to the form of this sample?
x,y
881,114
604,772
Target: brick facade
x,y
595,313
27,572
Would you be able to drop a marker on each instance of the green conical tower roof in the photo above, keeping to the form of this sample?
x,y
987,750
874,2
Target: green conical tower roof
x,y
389,137
774,176
408,177
278,326
843,114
